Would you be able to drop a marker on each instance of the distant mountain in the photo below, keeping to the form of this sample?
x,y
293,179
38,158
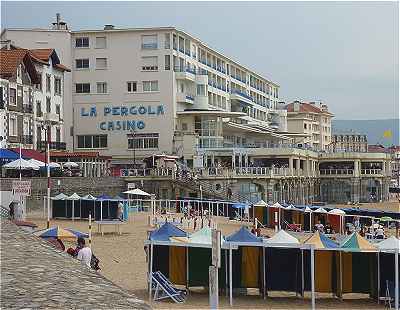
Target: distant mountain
x,y
374,129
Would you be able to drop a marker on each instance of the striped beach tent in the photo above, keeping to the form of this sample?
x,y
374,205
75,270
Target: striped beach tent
x,y
60,233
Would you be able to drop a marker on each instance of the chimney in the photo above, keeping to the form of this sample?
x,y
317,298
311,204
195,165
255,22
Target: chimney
x,y
58,24
312,102
6,44
324,107
109,27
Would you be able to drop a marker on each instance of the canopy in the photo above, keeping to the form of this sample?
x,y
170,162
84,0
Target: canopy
x,y
60,196
104,197
291,207
166,231
239,206
282,237
307,209
137,191
389,244
243,235
21,163
74,196
277,205
320,210
54,165
337,212
7,155
89,197
203,236
37,162
60,233
119,198
357,243
320,241
29,153
385,219
261,203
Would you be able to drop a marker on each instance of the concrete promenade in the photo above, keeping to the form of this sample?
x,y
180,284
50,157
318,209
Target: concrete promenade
x,y
36,276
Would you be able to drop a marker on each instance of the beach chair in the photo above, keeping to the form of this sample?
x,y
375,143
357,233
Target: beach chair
x,y
389,295
292,227
183,291
163,289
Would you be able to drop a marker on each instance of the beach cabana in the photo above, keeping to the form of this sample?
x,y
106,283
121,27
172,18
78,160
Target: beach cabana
x,y
59,206
88,205
282,261
245,263
260,211
293,215
357,266
336,219
325,263
76,207
272,221
320,214
108,208
307,215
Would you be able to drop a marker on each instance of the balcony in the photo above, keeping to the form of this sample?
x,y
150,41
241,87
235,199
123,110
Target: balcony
x,y
185,74
371,171
149,46
27,139
39,113
242,97
185,98
336,172
53,145
27,108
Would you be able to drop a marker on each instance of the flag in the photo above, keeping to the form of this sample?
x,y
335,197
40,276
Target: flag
x,y
387,134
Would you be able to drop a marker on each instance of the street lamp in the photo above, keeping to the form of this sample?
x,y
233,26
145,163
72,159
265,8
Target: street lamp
x,y
132,135
47,134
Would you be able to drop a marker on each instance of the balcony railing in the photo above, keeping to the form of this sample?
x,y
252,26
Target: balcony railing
x,y
27,139
336,171
53,145
159,172
27,108
149,46
371,171
237,92
39,113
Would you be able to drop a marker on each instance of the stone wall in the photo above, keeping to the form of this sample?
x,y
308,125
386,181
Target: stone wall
x,y
82,186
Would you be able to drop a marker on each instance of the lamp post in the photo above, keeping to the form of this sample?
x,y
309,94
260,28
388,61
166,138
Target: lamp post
x,y
47,133
132,135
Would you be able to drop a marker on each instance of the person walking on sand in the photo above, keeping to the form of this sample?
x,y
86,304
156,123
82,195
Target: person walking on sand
x,y
85,253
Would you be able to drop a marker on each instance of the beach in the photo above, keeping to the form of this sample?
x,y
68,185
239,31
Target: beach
x,y
123,261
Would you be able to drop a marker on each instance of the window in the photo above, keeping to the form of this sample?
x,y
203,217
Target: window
x,y
38,108
48,83
144,141
201,90
82,88
149,86
149,41
132,87
48,105
150,63
82,42
305,126
12,126
184,126
101,87
13,95
92,141
167,62
58,110
167,42
101,63
26,127
39,85
101,42
82,63
57,86
58,135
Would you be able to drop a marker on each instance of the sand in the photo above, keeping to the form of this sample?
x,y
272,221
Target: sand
x,y
123,261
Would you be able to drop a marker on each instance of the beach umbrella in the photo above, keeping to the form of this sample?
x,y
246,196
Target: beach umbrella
x,y
37,162
7,156
21,163
70,164
54,165
60,233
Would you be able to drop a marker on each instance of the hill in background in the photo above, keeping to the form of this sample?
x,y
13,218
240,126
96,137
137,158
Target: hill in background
x,y
374,129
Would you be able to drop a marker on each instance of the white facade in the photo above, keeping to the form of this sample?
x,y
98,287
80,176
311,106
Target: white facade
x,y
3,112
144,79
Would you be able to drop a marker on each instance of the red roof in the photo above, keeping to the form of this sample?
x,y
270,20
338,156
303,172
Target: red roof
x,y
31,154
42,53
11,59
305,107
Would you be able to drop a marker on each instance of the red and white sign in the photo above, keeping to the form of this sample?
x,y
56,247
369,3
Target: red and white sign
x,y
22,188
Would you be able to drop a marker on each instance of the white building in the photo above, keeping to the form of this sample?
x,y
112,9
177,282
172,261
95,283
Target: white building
x,y
3,112
175,93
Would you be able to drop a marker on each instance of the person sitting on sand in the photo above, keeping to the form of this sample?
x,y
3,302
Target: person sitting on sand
x,y
85,253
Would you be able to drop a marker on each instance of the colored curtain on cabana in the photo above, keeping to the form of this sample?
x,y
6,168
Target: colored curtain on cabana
x,y
283,269
250,270
387,270
259,213
334,220
325,271
177,265
271,216
161,259
59,208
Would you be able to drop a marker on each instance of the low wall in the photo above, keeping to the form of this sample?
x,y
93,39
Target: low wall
x,y
96,186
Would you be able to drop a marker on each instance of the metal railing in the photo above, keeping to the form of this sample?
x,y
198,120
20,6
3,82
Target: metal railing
x,y
27,108
336,171
53,145
149,45
371,171
27,139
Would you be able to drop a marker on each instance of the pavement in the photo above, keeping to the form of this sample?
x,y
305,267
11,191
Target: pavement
x,y
34,275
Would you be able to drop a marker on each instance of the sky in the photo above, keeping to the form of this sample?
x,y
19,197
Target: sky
x,y
344,54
